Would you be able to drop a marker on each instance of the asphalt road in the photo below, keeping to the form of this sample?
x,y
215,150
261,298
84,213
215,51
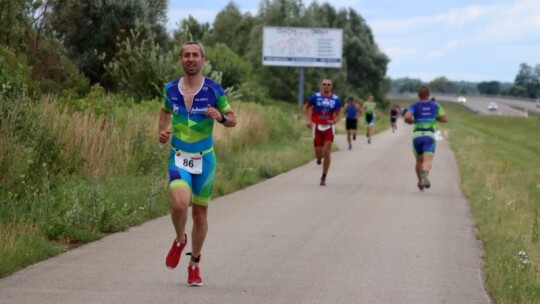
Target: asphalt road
x,y
506,106
369,236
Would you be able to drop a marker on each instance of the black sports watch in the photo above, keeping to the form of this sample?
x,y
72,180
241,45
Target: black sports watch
x,y
223,119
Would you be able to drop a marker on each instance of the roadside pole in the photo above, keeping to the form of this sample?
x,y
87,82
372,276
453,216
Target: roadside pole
x,y
301,87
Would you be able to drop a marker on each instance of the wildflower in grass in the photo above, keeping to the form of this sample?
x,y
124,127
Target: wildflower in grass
x,y
523,259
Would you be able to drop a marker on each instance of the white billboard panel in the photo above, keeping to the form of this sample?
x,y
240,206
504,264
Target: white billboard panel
x,y
302,47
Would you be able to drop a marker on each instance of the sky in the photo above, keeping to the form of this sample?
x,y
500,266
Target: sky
x,y
462,40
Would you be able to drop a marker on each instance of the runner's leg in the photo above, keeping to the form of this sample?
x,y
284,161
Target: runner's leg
x,y
200,229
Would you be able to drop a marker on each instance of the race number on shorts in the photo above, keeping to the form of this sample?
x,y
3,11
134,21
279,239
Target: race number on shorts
x,y
191,162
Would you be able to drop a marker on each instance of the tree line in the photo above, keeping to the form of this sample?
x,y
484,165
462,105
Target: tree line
x,y
526,85
67,46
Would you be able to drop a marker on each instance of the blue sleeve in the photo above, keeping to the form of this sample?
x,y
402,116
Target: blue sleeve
x,y
411,108
312,100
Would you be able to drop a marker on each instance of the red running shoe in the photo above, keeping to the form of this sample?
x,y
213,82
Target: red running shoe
x,y
194,279
173,258
323,181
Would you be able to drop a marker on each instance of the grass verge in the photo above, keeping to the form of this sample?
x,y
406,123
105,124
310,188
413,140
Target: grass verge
x,y
63,183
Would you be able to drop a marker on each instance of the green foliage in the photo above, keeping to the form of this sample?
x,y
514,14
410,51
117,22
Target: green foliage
x,y
31,157
407,85
235,70
515,90
140,68
527,82
15,75
21,244
54,72
190,30
366,64
253,91
442,85
16,23
91,28
232,28
489,87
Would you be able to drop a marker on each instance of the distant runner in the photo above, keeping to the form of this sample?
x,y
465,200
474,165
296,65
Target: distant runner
x,y
369,110
352,111
394,113
424,114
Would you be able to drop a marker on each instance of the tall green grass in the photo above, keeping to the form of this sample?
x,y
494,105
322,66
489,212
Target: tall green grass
x,y
499,161
74,169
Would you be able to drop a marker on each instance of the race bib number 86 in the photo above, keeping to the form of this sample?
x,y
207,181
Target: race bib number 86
x,y
191,162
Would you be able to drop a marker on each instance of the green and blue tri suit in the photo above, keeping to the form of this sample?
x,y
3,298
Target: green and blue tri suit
x,y
425,114
192,161
369,109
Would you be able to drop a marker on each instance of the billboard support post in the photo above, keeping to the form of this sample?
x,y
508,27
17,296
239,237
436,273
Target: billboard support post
x,y
301,87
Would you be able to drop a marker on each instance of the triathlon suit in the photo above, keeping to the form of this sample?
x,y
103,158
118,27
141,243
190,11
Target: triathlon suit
x,y
325,109
351,122
369,107
425,115
192,161
393,115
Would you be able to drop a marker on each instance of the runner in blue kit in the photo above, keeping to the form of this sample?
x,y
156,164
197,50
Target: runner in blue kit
x,y
190,106
424,115
352,111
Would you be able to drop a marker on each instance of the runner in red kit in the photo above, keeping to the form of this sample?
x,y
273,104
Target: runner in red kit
x,y
322,112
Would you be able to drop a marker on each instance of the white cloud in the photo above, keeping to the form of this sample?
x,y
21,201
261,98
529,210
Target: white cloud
x,y
399,52
462,16
452,44
436,54
519,20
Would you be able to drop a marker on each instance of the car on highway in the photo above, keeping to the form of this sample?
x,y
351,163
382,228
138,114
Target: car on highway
x,y
461,99
493,106
538,103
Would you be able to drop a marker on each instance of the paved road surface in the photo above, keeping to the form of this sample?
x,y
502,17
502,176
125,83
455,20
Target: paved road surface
x,y
369,236
507,106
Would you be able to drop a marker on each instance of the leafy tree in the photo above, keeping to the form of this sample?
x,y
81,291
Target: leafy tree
x,y
489,87
226,24
54,72
408,85
366,64
232,28
235,70
14,73
515,90
190,29
141,68
15,22
89,29
23,28
529,79
442,85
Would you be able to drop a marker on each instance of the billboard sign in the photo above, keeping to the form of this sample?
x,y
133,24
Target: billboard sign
x,y
302,47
